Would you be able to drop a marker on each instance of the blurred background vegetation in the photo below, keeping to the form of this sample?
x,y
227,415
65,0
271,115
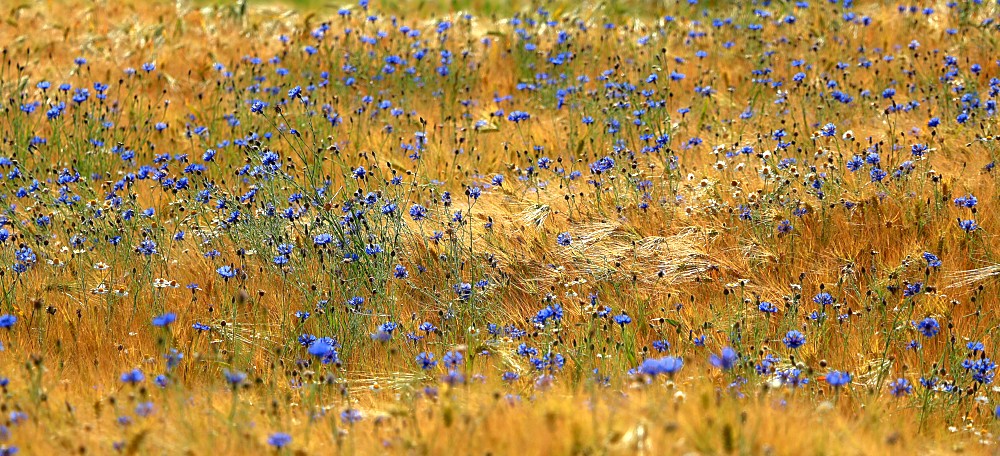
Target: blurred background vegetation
x,y
498,8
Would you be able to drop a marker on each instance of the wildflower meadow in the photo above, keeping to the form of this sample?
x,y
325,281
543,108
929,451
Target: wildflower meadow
x,y
479,227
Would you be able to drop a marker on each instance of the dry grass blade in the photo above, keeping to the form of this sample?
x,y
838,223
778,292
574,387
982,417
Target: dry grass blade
x,y
960,279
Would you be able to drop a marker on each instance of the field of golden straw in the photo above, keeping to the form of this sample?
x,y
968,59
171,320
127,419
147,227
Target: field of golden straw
x,y
488,228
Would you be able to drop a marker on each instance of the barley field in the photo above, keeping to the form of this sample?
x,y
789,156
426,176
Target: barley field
x,y
479,227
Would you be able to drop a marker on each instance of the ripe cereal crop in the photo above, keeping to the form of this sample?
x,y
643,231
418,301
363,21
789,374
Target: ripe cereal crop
x,y
489,228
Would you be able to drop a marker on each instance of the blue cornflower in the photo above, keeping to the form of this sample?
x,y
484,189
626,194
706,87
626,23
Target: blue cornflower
x,y
146,247
381,336
165,319
351,416
7,321
877,174
919,150
463,291
388,327
900,387
794,339
784,227
173,358
526,351
668,365
418,212
929,327
823,299
279,440
792,377
306,340
518,116
982,370
968,201
622,319
603,165
426,360
564,239
226,271
234,378
767,307
133,376
553,311
452,359
855,163
932,260
355,302
837,379
324,349
767,364
427,327
725,360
